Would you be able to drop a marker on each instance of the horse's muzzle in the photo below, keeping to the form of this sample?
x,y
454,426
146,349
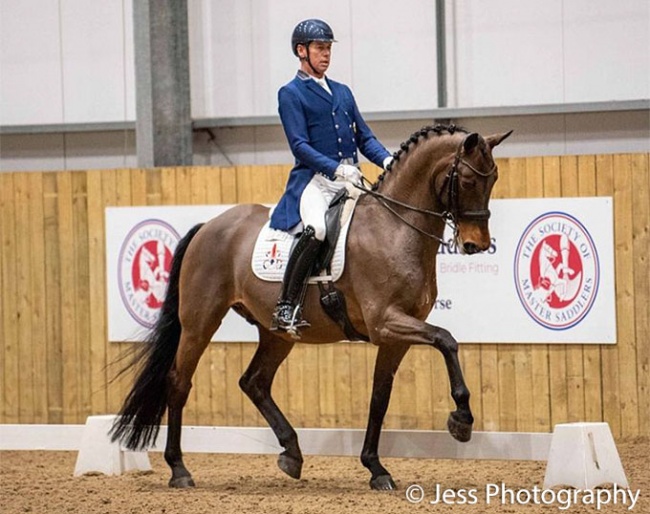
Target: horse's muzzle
x,y
470,248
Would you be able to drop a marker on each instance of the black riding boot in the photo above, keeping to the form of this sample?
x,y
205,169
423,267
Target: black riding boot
x,y
288,311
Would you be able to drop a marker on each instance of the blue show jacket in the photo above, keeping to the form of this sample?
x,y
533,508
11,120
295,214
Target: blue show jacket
x,y
322,130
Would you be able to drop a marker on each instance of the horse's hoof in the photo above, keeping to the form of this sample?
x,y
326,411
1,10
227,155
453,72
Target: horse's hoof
x,y
181,482
290,465
460,430
382,483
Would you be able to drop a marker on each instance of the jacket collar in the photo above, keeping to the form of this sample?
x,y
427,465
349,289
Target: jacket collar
x,y
317,88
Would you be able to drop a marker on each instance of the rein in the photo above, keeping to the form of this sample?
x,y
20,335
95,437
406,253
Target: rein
x,y
449,216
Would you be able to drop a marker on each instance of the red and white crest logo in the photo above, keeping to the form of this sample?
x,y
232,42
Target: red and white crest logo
x,y
556,271
144,264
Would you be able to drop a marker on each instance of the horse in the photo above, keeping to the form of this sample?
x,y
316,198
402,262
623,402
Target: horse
x,y
442,175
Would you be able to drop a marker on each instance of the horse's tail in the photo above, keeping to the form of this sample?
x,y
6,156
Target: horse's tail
x,y
139,421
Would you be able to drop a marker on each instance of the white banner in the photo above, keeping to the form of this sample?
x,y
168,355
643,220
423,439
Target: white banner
x,y
548,276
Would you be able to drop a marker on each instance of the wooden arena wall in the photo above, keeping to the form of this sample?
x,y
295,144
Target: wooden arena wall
x,y
55,358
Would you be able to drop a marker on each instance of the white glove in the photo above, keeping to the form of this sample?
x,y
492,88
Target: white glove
x,y
350,173
387,161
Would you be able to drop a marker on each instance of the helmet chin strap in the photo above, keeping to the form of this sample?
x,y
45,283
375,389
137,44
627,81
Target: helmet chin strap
x,y
308,60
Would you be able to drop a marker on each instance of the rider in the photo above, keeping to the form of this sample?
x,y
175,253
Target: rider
x,y
325,132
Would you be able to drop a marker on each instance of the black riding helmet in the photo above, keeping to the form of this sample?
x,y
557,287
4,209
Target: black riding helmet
x,y
310,30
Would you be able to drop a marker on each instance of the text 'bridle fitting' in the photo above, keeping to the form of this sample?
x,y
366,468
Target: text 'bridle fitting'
x,y
453,212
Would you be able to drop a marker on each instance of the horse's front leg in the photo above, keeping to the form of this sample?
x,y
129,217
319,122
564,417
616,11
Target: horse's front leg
x,y
414,331
461,420
388,360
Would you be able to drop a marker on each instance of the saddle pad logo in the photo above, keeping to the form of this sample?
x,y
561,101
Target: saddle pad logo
x,y
274,259
556,271
143,270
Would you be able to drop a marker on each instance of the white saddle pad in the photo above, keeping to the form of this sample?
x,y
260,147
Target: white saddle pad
x,y
272,249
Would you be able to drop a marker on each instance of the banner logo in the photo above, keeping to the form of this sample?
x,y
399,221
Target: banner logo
x,y
144,265
556,271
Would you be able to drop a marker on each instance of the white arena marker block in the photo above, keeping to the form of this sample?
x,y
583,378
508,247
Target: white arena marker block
x,y
97,454
583,455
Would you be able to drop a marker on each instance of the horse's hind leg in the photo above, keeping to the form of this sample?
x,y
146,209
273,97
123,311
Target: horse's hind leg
x,y
191,347
256,383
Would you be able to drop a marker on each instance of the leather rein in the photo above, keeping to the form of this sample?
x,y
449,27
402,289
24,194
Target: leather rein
x,y
453,212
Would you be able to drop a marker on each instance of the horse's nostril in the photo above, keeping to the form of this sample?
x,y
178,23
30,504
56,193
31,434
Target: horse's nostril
x,y
470,248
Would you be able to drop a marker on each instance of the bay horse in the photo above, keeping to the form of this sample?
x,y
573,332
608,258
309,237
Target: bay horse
x,y
441,175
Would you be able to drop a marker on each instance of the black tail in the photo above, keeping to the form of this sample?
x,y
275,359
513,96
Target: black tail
x,y
139,421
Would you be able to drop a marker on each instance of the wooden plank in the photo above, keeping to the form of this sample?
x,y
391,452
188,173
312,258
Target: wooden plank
x,y
9,292
557,352
507,384
470,359
295,409
490,404
82,299
138,186
310,385
97,293
229,187
2,309
52,268
168,186
342,390
72,386
24,298
641,243
609,353
326,387
38,305
591,353
623,234
154,186
11,370
441,391
574,353
359,385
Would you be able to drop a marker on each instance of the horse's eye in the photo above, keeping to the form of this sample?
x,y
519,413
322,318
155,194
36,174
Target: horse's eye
x,y
468,184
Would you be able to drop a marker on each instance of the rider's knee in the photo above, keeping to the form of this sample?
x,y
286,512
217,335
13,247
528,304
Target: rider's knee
x,y
319,231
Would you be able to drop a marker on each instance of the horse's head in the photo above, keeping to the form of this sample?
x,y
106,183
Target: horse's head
x,y
465,188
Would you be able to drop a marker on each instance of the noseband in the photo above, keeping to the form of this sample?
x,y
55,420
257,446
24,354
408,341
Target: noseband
x,y
453,212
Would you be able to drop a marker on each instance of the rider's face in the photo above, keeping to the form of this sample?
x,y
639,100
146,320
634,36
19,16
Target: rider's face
x,y
319,56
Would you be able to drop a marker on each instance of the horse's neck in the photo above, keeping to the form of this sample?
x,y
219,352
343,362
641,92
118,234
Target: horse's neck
x,y
412,182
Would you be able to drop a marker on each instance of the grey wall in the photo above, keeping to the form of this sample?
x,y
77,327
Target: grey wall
x,y
71,61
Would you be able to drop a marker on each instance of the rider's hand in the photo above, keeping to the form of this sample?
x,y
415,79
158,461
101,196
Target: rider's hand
x,y
387,162
350,173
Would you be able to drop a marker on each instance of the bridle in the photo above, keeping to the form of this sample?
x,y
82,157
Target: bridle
x,y
453,213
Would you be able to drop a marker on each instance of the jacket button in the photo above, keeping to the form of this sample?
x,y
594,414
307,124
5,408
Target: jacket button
x,y
340,140
336,126
340,154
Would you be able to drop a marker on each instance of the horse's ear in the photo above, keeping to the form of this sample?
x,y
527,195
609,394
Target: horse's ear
x,y
496,139
471,142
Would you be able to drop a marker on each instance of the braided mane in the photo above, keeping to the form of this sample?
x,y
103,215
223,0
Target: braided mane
x,y
438,129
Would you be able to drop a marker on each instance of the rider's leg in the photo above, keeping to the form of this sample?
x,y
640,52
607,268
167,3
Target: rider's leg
x,y
312,210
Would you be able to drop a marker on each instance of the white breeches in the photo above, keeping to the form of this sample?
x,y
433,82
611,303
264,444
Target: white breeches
x,y
316,199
